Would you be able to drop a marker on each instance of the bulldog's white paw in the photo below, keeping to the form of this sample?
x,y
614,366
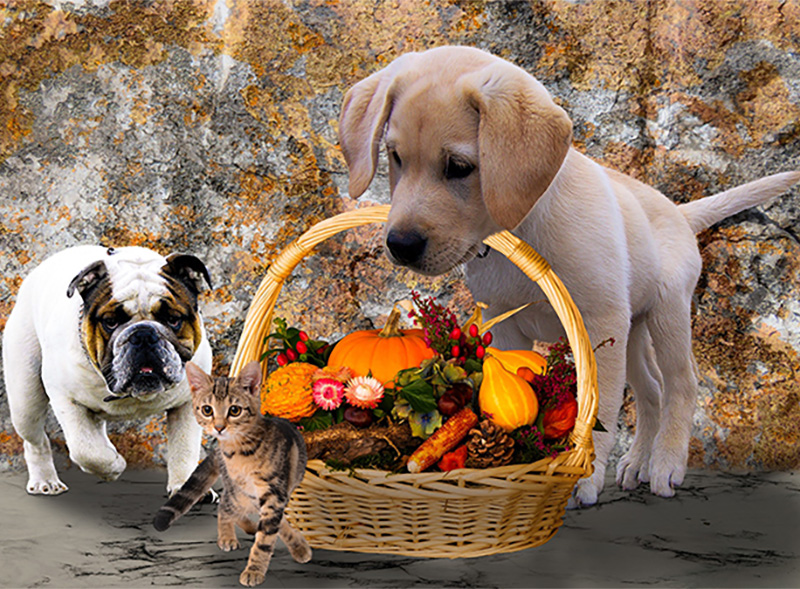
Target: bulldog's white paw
x,y
52,486
107,466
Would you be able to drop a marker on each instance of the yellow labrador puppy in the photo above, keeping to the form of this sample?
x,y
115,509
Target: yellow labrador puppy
x,y
476,145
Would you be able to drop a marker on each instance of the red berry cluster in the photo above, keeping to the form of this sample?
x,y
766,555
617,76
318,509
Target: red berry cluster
x,y
292,354
290,344
468,345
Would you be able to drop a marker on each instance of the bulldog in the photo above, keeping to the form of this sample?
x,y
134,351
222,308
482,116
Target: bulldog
x,y
104,334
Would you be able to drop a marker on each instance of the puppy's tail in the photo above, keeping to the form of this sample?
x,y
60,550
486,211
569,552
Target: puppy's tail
x,y
703,213
194,489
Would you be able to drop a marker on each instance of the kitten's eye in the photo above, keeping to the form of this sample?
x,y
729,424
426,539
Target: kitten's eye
x,y
207,410
234,411
455,169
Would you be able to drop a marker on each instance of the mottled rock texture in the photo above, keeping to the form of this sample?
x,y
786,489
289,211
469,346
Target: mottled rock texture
x,y
211,127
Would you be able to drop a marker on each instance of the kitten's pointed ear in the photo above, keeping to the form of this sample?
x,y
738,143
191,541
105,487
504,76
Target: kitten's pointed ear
x,y
195,376
250,377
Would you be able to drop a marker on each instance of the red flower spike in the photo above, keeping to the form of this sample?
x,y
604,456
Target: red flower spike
x,y
487,338
303,336
480,352
301,347
455,351
455,334
473,330
291,355
281,359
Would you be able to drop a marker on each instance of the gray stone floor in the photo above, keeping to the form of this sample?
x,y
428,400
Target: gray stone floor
x,y
721,530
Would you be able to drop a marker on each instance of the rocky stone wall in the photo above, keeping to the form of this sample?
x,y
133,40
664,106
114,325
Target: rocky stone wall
x,y
210,127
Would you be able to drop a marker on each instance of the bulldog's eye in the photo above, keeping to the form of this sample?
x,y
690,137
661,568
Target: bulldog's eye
x,y
455,169
175,323
110,323
207,410
234,411
394,155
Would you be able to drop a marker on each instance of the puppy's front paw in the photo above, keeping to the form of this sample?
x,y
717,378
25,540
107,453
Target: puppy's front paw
x,y
251,577
667,471
632,469
587,490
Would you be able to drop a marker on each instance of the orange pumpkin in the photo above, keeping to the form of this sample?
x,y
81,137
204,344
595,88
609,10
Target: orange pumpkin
x,y
505,398
381,352
560,420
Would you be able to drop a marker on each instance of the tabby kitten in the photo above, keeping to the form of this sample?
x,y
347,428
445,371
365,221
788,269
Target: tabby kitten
x,y
261,461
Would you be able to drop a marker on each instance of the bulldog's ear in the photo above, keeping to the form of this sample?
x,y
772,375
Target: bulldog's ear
x,y
523,138
189,270
88,279
365,110
196,377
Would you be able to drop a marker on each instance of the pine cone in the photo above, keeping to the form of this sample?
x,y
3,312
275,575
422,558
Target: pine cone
x,y
489,445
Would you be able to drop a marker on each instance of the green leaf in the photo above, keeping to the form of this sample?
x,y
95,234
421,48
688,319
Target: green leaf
x,y
420,396
473,365
598,427
320,420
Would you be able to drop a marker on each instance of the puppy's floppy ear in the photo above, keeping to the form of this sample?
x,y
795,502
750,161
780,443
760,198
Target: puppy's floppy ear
x,y
189,270
250,378
523,138
365,110
88,279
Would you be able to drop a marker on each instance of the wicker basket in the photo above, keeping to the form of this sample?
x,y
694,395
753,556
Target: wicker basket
x,y
461,513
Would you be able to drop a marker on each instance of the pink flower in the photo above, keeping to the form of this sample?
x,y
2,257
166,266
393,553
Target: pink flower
x,y
364,392
328,393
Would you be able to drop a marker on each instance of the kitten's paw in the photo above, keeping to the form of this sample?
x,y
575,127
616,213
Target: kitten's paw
x,y
228,544
251,577
301,552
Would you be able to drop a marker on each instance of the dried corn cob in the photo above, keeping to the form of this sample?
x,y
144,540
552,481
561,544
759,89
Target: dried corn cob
x,y
443,440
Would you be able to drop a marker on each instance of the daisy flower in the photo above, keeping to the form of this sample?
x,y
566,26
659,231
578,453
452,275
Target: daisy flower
x,y
328,393
364,392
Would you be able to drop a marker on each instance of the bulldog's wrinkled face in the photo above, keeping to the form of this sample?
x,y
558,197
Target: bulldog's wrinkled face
x,y
140,323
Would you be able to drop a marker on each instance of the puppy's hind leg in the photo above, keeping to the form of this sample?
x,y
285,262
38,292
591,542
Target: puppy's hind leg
x,y
28,402
644,377
669,324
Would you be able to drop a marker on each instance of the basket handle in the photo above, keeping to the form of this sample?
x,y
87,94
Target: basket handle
x,y
258,322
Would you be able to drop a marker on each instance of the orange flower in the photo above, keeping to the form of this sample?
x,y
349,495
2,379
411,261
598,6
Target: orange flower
x,y
560,420
288,392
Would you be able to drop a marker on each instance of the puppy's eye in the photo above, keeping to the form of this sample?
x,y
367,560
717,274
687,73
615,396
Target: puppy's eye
x,y
207,410
234,411
455,169
396,158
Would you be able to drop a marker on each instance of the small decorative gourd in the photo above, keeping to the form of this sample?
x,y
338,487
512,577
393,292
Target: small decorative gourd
x,y
381,352
512,360
505,398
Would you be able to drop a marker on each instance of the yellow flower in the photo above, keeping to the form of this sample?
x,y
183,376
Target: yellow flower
x,y
288,392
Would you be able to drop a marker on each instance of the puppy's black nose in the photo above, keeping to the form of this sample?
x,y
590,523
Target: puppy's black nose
x,y
406,247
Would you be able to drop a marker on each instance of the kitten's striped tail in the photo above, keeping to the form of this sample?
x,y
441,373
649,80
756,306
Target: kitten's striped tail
x,y
194,489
